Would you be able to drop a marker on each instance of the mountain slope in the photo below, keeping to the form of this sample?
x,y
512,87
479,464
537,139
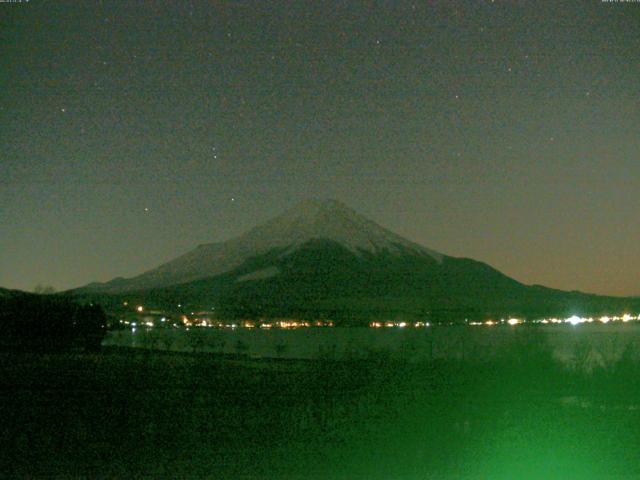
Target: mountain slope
x,y
321,259
309,220
323,279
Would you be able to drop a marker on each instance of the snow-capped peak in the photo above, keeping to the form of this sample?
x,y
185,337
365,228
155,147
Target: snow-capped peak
x,y
329,220
306,221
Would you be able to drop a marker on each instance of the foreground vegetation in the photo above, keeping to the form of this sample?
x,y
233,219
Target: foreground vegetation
x,y
142,414
34,322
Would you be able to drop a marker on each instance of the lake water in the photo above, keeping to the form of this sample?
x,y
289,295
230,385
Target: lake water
x,y
588,345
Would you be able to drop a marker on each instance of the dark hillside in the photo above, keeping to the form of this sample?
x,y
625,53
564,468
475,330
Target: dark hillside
x,y
323,279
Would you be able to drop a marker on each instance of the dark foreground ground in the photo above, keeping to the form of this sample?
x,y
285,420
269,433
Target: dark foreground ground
x,y
134,414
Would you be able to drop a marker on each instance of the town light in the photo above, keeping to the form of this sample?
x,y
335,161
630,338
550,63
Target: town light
x,y
574,320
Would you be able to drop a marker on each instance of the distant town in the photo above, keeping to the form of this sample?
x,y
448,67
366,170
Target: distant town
x,y
138,316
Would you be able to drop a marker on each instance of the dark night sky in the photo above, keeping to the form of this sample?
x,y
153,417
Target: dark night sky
x,y
508,132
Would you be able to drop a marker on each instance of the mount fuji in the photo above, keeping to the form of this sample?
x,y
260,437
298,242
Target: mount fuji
x,y
321,259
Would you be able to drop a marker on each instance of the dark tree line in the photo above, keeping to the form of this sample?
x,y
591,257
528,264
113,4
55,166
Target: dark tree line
x,y
29,321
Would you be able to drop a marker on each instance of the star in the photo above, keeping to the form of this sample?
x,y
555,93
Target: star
x,y
63,110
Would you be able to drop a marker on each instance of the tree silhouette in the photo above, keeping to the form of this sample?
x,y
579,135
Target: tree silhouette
x,y
280,349
241,347
51,322
44,289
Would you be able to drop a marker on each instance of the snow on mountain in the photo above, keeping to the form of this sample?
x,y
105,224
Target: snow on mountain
x,y
328,220
308,220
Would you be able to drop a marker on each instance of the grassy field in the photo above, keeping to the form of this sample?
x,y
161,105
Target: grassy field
x,y
137,414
